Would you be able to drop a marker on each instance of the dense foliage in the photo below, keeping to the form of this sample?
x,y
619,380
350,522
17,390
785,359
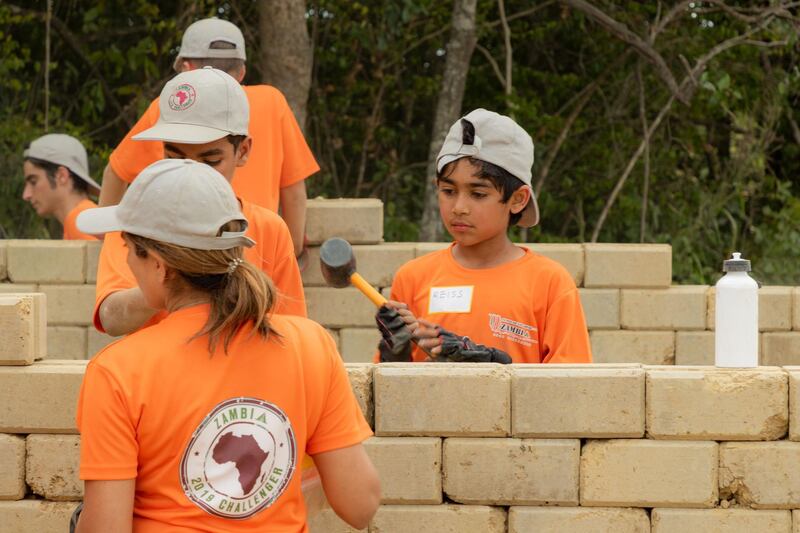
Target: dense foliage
x,y
721,171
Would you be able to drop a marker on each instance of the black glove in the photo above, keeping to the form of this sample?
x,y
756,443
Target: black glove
x,y
462,350
395,346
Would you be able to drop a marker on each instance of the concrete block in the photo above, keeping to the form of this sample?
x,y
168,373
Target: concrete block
x,y
442,399
3,260
410,468
794,404
439,519
646,347
512,471
35,516
360,375
12,465
601,307
628,265
96,341
581,402
717,404
52,466
796,521
646,473
69,305
577,520
358,345
796,309
23,323
694,348
570,256
376,263
422,248
40,398
762,475
46,261
92,257
326,521
720,521
339,308
774,308
780,348
21,288
358,220
679,307
66,342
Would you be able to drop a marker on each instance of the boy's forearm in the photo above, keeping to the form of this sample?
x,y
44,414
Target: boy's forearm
x,y
124,312
293,211
112,188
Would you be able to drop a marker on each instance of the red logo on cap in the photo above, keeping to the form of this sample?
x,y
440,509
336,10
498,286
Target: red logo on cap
x,y
183,97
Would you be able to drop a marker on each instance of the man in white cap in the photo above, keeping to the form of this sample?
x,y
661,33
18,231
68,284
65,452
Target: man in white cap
x,y
203,116
280,160
57,181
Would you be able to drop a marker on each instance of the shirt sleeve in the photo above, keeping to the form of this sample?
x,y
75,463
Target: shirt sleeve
x,y
298,161
113,273
565,338
131,157
109,449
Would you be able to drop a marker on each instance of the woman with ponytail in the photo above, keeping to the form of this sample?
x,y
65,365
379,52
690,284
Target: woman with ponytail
x,y
201,422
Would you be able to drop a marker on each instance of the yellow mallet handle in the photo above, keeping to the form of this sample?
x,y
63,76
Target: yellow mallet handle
x,y
369,291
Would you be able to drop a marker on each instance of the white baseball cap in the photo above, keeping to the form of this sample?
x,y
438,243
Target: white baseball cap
x,y
198,37
176,201
500,141
64,150
199,106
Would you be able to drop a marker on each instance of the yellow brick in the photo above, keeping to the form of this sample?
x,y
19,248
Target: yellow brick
x,y
796,309
46,261
794,403
376,263
339,308
577,520
326,521
23,324
52,466
762,475
66,342
774,309
720,521
628,265
581,402
69,305
3,260
22,288
570,256
717,404
679,307
780,348
645,473
96,341
410,468
795,521
438,519
601,307
647,347
357,220
92,256
694,348
40,398
360,375
35,516
442,399
512,471
358,345
12,465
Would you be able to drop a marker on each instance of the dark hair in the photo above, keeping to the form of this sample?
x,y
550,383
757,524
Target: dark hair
x,y
236,140
501,179
50,169
231,65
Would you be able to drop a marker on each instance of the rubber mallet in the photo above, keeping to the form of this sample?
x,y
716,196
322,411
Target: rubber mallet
x,y
338,264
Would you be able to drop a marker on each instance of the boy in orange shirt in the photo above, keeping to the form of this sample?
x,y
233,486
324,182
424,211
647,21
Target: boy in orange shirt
x,y
204,116
280,159
57,181
511,304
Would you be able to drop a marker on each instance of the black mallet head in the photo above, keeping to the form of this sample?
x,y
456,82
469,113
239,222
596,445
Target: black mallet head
x,y
337,262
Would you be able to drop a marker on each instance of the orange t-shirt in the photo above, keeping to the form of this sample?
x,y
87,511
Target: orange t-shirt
x,y
216,443
280,156
273,254
71,231
529,307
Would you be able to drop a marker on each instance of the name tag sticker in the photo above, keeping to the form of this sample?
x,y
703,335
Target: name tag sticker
x,y
450,299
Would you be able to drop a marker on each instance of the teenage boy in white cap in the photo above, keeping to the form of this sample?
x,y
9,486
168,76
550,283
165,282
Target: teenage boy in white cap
x,y
484,298
57,181
280,160
204,116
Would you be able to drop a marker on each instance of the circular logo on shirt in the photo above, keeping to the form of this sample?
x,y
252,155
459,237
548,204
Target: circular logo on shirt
x,y
240,459
182,98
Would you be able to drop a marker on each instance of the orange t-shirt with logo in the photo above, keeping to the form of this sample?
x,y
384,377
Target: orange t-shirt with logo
x,y
529,307
273,253
71,231
216,443
280,155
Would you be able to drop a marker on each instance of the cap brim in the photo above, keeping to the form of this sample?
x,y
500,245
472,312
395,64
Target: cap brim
x,y
99,220
181,133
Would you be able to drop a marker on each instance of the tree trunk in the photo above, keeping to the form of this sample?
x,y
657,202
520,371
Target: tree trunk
x,y
286,53
463,38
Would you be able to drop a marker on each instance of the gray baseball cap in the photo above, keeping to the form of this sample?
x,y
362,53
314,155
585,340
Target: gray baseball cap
x,y
65,150
176,201
198,37
500,141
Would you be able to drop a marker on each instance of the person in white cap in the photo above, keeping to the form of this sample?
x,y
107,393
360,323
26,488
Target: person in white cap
x,y
484,298
204,116
57,181
201,422
280,159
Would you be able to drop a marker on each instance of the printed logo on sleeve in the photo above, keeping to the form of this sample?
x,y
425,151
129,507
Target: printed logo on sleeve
x,y
240,458
505,328
450,299
183,97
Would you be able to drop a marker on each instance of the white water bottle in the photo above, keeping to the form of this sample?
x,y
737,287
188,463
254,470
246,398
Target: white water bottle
x,y
736,340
